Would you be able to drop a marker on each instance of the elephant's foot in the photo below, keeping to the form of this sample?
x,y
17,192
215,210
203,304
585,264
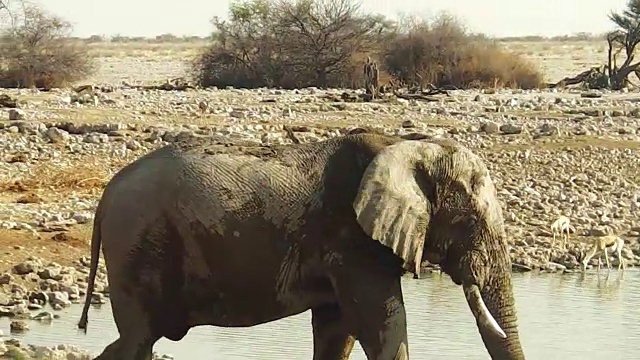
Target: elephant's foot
x,y
132,320
331,339
372,303
127,349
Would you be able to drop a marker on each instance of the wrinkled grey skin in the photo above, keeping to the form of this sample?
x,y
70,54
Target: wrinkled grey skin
x,y
226,236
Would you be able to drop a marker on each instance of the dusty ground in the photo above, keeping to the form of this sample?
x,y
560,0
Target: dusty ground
x,y
61,247
561,59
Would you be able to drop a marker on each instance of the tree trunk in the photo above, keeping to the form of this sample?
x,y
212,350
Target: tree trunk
x,y
619,77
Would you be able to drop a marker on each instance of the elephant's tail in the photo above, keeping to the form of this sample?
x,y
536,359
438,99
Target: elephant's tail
x,y
96,242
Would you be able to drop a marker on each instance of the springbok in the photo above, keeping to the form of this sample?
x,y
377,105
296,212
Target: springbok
x,y
561,226
601,245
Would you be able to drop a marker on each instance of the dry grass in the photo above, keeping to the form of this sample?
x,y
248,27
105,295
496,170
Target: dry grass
x,y
89,115
82,175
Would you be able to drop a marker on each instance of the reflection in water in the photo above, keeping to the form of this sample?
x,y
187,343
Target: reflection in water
x,y
561,317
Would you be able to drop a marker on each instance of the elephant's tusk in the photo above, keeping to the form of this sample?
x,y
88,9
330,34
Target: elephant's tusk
x,y
480,311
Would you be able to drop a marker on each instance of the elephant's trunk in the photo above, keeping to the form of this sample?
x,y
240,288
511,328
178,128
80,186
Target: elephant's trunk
x,y
494,310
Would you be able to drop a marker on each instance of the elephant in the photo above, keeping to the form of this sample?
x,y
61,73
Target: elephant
x,y
234,236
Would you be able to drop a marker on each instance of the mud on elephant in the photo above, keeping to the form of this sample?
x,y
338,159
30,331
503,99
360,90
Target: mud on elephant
x,y
197,234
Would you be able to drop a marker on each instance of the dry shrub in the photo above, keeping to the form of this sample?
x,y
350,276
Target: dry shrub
x,y
288,44
37,51
323,43
443,53
217,66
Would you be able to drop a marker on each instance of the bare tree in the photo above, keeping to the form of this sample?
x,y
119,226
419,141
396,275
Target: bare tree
x,y
626,38
326,33
247,49
10,8
5,10
289,43
36,51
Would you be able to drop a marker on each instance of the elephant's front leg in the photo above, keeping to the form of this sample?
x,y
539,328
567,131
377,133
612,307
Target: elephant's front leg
x,y
372,302
331,338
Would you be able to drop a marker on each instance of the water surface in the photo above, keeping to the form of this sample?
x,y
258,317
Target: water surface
x,y
561,317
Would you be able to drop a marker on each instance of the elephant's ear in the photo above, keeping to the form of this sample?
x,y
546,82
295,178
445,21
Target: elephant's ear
x,y
391,205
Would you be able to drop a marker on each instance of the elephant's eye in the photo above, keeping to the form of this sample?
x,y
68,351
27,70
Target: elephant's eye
x,y
464,219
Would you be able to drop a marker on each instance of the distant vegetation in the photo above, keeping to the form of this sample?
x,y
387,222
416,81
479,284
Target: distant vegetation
x,y
171,38
298,43
35,51
443,54
581,36
324,43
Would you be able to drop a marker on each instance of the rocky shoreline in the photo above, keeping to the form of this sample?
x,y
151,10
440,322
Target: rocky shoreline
x,y
15,350
550,153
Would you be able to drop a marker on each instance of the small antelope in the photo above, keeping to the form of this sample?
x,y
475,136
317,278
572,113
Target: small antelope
x,y
601,245
561,226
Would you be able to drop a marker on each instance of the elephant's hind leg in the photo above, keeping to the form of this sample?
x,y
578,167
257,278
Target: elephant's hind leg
x,y
132,320
331,338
